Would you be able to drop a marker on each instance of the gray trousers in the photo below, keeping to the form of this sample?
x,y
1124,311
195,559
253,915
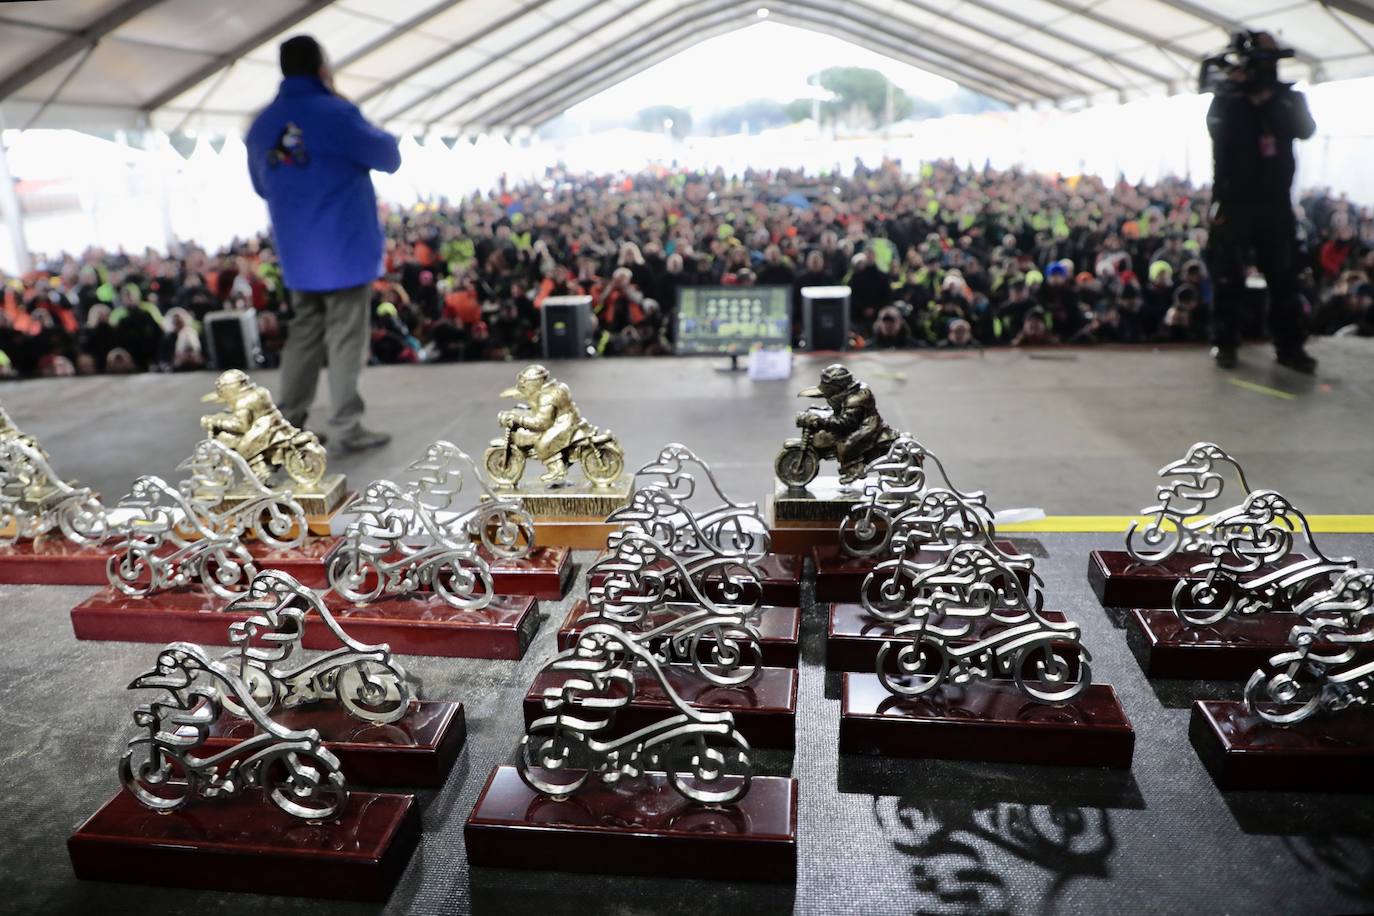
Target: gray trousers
x,y
336,323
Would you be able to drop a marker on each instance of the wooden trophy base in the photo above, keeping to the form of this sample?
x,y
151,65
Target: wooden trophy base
x,y
765,708
779,630
1229,650
853,638
782,575
248,844
420,624
840,577
416,751
1326,753
642,827
1119,580
545,573
986,720
54,561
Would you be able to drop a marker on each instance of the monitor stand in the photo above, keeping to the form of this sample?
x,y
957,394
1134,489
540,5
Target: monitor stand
x,y
734,365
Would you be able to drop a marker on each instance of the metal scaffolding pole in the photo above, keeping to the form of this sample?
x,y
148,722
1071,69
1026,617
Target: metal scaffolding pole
x,y
9,204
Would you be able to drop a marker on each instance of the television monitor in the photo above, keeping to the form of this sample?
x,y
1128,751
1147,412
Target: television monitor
x,y
731,319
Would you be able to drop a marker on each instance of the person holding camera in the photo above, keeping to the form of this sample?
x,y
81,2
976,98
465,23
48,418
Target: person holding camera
x,y
1253,121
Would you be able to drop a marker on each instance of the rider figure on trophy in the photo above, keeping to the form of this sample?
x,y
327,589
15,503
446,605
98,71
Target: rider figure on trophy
x,y
853,433
254,427
549,427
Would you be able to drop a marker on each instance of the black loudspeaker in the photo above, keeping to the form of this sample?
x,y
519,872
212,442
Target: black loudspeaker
x,y
232,339
567,326
825,317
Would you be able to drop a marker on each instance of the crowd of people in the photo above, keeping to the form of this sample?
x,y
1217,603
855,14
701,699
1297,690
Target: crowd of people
x,y
935,256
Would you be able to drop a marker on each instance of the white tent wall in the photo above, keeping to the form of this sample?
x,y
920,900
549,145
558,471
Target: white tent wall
x,y
80,190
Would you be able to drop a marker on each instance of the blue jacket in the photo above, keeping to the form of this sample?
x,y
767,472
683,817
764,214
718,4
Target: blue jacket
x,y
309,154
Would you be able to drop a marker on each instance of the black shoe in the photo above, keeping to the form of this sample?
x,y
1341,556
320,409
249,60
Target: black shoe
x,y
1297,359
1225,357
364,439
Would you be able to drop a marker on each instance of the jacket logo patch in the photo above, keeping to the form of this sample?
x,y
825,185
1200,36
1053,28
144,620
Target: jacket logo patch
x,y
290,148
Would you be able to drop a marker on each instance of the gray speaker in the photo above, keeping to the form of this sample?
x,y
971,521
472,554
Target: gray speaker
x,y
566,326
825,318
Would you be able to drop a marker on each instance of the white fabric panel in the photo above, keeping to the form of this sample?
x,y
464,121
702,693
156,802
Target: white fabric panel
x,y
200,26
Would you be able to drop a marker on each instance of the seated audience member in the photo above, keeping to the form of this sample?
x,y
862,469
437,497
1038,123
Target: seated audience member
x,y
1034,332
959,336
890,331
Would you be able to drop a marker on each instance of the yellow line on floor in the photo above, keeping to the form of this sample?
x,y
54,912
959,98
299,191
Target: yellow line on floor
x,y
1263,389
1321,524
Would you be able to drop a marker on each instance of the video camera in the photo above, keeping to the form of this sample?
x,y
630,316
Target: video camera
x,y
1252,55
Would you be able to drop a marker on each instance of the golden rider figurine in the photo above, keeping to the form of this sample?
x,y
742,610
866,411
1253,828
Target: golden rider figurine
x,y
551,429
254,427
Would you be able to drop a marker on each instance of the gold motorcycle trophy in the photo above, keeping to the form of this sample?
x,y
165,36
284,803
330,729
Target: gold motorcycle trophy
x,y
850,432
548,426
279,454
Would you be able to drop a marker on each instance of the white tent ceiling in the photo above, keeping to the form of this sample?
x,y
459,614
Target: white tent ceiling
x,y
458,65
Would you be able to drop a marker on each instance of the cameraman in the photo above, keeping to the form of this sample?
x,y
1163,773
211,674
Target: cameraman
x,y
1254,120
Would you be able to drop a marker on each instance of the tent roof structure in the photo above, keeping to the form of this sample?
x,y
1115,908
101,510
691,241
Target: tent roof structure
x,y
472,65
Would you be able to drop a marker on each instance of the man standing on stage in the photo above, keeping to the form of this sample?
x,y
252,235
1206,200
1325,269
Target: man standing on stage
x,y
310,153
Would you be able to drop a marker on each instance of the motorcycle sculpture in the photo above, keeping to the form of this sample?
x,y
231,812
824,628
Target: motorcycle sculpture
x,y
395,546
272,516
661,506
365,679
161,516
1198,482
1328,669
549,427
35,501
703,756
164,770
502,525
852,432
252,425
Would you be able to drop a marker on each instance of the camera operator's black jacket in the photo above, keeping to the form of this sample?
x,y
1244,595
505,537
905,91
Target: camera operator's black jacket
x,y
1248,171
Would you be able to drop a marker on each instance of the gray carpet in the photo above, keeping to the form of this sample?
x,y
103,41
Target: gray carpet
x,y
876,836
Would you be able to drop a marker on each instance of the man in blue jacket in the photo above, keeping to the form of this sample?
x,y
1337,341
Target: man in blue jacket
x,y
310,153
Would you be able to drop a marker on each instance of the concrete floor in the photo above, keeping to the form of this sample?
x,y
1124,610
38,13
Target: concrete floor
x,y
1070,431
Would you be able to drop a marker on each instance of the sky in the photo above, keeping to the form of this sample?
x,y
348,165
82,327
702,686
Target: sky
x,y
765,60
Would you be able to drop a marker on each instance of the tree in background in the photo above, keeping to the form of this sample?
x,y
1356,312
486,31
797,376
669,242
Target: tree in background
x,y
656,116
862,94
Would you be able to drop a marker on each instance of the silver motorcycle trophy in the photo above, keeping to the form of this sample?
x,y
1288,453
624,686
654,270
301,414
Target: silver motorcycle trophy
x,y
900,484
1191,484
1248,569
701,754
898,590
653,595
969,620
499,523
935,524
1328,669
164,541
396,545
34,501
365,680
166,767
217,472
662,506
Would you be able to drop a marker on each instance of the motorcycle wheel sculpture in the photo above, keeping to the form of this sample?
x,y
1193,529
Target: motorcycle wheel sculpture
x,y
600,455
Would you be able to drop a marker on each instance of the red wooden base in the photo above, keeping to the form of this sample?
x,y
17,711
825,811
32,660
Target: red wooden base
x,y
1332,753
986,720
545,573
840,577
416,751
765,709
853,638
248,844
1230,650
1120,581
53,561
641,827
416,625
782,575
779,629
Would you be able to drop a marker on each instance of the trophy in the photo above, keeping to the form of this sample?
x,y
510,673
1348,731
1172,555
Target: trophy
x,y
547,426
636,778
1305,722
217,792
50,529
1176,535
666,504
848,430
277,453
973,668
